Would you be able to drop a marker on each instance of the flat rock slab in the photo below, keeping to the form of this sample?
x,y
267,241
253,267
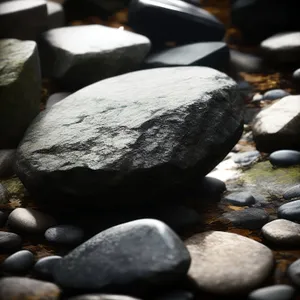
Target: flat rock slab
x,y
20,88
227,263
103,139
24,20
80,55
140,254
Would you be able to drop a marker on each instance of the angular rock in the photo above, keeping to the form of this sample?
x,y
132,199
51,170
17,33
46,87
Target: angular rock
x,y
277,127
9,242
29,220
240,199
293,192
43,268
7,161
274,292
282,232
227,263
275,94
285,158
27,288
55,98
102,297
3,194
290,211
181,22
20,87
144,251
24,20
293,272
18,263
64,234
155,138
209,54
56,16
102,52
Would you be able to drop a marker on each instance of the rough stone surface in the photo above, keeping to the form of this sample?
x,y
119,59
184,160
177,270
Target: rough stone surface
x,y
155,138
9,241
285,158
145,251
293,272
23,20
3,194
293,192
282,232
55,98
290,211
275,292
18,263
30,220
56,16
7,160
102,52
43,268
20,87
227,263
64,234
277,127
240,199
102,297
275,94
26,288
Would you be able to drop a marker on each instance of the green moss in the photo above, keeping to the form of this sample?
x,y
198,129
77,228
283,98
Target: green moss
x,y
14,187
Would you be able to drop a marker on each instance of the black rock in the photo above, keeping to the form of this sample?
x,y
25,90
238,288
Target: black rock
x,y
140,254
64,234
293,272
43,268
208,54
164,144
181,22
293,192
274,292
285,158
290,211
3,194
55,98
275,94
102,297
9,241
240,199
176,295
250,218
7,160
211,186
18,263
3,218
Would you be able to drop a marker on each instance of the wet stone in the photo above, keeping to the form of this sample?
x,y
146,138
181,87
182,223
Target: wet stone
x,y
240,199
275,292
55,98
290,211
245,159
9,241
64,234
7,160
285,158
275,94
293,272
3,194
293,192
43,268
18,263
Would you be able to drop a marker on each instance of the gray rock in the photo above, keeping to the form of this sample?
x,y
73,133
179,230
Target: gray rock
x,y
101,53
282,232
3,218
43,268
209,54
227,263
64,234
274,292
102,297
55,98
23,20
282,47
245,159
296,75
155,138
275,94
285,158
20,88
257,98
18,263
277,127
56,16
3,194
9,242
250,218
7,161
144,252
29,220
293,192
240,199
26,288
293,272
290,211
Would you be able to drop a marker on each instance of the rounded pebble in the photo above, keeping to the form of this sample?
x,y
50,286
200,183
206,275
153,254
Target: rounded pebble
x,y
30,220
9,241
296,75
290,211
293,192
3,194
257,98
19,262
7,160
293,272
240,199
44,266
212,186
282,232
64,234
275,292
275,94
285,158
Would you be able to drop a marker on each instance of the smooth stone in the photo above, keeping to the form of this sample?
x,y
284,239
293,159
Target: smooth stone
x,y
212,186
282,47
296,75
240,199
102,52
290,211
155,149
285,158
55,98
278,126
3,218
24,20
27,288
43,268
146,252
64,234
19,68
30,220
7,160
275,94
246,159
176,295
250,218
228,263
102,297
282,232
9,241
274,292
257,98
3,194
18,263
56,16
293,272
293,192
208,54
181,22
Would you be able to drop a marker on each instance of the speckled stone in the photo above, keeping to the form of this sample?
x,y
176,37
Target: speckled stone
x,y
274,292
9,241
64,234
19,262
290,211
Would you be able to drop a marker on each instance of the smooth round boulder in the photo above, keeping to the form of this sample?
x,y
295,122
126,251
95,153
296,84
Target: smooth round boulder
x,y
101,142
9,241
290,211
296,75
293,272
64,234
43,268
285,158
274,292
18,263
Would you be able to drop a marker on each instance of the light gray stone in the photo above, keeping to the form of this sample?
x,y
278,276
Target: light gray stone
x,y
55,98
56,16
7,161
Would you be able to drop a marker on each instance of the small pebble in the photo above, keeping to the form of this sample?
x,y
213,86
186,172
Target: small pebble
x,y
18,263
3,194
290,211
43,267
282,232
3,218
30,220
246,158
9,242
7,160
212,186
64,234
285,158
293,272
296,75
274,292
293,192
257,98
240,199
275,94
